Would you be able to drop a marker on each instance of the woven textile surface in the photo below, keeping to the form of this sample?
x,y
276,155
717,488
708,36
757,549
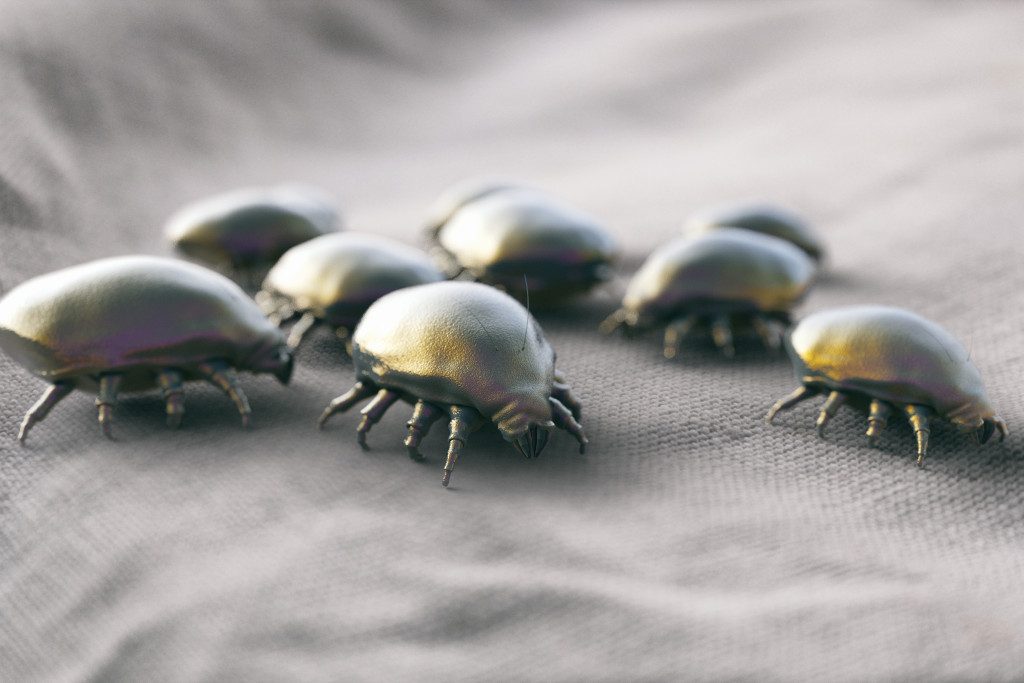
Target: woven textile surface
x,y
691,541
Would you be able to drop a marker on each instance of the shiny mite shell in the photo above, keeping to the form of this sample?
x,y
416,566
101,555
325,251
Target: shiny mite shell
x,y
133,323
464,350
762,217
250,227
334,279
461,193
887,359
522,241
717,279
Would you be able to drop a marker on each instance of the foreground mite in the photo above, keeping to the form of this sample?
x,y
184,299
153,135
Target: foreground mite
x,y
465,351
887,359
250,228
497,234
133,323
725,277
762,217
334,279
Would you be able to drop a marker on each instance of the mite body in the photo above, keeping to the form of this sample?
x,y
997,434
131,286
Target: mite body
x,y
334,278
134,323
464,351
458,195
717,280
250,228
498,234
888,359
762,217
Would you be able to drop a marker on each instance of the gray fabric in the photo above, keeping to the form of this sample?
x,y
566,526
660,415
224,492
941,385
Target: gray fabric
x,y
692,541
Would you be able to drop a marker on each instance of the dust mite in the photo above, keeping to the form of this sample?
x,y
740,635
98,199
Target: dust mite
x,y
248,229
334,278
134,323
464,351
496,234
720,280
762,217
888,359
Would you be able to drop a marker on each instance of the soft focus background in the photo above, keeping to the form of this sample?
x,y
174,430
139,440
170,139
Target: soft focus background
x,y
692,541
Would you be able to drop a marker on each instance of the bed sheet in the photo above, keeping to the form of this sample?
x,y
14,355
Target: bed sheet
x,y
691,541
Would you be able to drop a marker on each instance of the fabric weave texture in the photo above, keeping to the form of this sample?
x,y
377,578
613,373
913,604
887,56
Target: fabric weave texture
x,y
691,541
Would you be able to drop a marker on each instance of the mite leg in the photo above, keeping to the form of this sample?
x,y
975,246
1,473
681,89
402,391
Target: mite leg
x,y
920,418
41,409
613,322
462,421
342,403
423,416
540,434
801,394
563,419
561,390
1001,426
373,412
982,433
675,331
988,427
110,384
877,419
223,376
533,441
767,330
828,411
170,382
721,334
300,328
